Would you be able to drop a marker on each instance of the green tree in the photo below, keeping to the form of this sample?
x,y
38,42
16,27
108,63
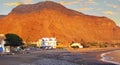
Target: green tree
x,y
13,40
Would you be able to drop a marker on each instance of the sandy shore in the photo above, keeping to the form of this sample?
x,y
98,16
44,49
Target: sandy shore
x,y
57,57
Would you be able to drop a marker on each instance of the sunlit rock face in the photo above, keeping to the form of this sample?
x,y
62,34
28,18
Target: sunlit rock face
x,y
50,19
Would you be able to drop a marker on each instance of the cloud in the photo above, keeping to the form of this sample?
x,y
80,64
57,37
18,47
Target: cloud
x,y
18,3
88,2
27,1
85,9
91,2
13,3
69,3
108,12
113,5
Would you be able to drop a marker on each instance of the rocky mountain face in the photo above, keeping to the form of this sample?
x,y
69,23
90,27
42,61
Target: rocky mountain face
x,y
50,19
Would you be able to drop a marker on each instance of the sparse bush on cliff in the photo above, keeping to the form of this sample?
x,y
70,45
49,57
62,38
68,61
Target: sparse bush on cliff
x,y
92,44
117,45
100,45
75,47
104,45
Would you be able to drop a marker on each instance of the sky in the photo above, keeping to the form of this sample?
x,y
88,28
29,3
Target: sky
x,y
108,8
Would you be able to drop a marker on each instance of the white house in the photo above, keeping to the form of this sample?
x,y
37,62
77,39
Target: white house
x,y
48,42
3,48
2,43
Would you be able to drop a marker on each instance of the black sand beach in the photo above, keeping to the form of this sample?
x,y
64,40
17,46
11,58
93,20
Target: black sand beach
x,y
56,57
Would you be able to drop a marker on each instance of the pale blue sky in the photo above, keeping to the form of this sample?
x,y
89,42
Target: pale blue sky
x,y
108,8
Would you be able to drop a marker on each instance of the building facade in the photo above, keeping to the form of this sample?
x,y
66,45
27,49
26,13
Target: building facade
x,y
48,42
2,43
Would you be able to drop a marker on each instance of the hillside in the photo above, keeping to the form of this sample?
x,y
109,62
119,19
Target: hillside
x,y
50,19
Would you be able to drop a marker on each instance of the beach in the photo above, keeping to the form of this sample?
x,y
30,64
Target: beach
x,y
58,57
112,57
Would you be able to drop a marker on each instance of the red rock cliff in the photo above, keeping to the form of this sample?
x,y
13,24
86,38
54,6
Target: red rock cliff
x,y
50,19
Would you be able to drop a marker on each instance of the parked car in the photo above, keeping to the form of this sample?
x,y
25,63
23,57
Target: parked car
x,y
46,47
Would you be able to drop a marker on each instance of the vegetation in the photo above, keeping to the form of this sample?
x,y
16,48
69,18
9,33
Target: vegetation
x,y
91,44
104,45
13,40
61,47
98,44
117,44
75,47
32,45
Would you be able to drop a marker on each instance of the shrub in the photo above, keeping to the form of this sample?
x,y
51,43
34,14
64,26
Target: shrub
x,y
32,45
91,44
75,47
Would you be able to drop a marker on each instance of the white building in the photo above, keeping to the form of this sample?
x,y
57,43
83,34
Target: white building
x,y
2,43
48,42
3,48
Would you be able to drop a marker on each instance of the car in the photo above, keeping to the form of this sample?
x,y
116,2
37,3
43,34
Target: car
x,y
46,47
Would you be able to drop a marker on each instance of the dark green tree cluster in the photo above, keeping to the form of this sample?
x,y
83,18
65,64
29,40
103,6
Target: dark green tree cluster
x,y
13,40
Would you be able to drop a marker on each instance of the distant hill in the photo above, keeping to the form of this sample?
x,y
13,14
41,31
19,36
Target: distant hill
x,y
51,19
1,16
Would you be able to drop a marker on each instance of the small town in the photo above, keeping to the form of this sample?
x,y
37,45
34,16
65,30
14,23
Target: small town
x,y
48,49
43,43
